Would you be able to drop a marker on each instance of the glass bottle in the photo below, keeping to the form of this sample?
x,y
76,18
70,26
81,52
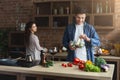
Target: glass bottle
x,y
61,11
37,10
97,8
67,10
55,11
106,6
100,7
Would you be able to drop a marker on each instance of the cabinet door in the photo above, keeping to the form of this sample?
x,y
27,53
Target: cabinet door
x,y
103,14
42,21
61,7
42,14
116,70
43,8
60,21
103,20
119,70
103,6
8,77
60,14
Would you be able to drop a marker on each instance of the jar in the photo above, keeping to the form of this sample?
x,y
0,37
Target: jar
x,y
67,10
55,11
61,11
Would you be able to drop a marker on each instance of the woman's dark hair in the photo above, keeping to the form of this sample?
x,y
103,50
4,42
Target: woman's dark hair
x,y
28,32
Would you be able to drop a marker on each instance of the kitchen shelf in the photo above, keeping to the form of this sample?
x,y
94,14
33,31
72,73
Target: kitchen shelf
x,y
100,13
42,21
103,20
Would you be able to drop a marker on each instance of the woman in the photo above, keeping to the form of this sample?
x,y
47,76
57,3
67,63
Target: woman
x,y
33,47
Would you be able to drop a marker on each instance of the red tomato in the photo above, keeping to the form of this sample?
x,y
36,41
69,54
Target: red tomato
x,y
76,61
81,66
64,65
69,64
82,62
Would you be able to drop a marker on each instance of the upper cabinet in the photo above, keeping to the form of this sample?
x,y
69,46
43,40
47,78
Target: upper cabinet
x,y
103,14
59,13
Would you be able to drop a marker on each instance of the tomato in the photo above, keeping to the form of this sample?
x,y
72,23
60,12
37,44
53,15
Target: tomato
x,y
64,65
76,61
82,62
81,66
69,64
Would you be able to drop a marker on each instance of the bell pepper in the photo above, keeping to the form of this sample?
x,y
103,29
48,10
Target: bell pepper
x,y
89,62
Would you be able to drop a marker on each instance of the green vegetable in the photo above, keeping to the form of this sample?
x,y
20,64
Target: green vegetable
x,y
96,69
88,67
91,68
99,61
50,63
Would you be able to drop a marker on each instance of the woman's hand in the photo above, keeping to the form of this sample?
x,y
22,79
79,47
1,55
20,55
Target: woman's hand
x,y
45,50
84,36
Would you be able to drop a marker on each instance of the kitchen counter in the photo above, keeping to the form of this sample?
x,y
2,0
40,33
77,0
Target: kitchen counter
x,y
63,55
57,70
110,59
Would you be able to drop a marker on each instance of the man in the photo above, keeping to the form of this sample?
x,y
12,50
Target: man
x,y
87,35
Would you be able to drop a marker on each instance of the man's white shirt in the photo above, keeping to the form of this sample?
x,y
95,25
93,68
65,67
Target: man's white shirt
x,y
80,52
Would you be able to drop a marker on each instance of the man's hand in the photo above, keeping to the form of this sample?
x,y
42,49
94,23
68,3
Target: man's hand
x,y
72,47
84,36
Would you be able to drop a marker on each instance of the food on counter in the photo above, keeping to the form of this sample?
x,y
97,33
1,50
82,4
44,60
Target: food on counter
x,y
89,62
102,51
81,66
69,64
64,64
88,66
104,67
50,63
47,64
91,68
105,52
100,61
76,61
100,65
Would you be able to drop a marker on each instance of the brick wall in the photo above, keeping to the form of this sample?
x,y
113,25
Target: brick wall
x,y
50,38
22,10
13,10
